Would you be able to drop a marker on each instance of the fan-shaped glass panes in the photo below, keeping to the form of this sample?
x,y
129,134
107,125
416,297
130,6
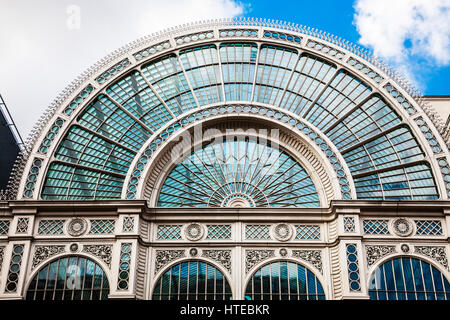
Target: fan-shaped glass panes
x,y
69,278
238,173
192,280
284,281
95,155
408,279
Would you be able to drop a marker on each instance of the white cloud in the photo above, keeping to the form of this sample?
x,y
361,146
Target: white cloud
x,y
405,32
45,45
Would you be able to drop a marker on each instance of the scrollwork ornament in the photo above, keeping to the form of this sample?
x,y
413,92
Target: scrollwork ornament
x,y
164,257
102,251
253,257
375,253
42,253
313,257
436,253
221,256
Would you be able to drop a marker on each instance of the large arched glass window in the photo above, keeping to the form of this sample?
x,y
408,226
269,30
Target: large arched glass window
x,y
238,173
192,280
284,281
408,279
69,278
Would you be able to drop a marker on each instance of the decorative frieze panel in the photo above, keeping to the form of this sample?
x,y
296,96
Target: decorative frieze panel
x,y
254,257
43,253
349,224
101,251
102,226
169,232
257,232
428,227
221,256
436,253
22,225
128,224
218,231
376,252
4,227
51,227
313,257
164,257
376,227
307,232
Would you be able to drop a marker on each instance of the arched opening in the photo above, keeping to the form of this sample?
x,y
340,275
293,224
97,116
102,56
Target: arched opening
x,y
284,280
408,278
69,278
240,172
192,280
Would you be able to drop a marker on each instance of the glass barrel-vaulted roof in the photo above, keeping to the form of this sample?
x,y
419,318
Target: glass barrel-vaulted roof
x,y
96,154
238,173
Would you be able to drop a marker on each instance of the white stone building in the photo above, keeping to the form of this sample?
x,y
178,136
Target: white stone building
x,y
232,159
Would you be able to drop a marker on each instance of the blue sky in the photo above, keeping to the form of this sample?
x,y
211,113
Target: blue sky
x,y
337,17
46,44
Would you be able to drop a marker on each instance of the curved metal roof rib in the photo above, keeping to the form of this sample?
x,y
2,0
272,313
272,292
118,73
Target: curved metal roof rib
x,y
372,130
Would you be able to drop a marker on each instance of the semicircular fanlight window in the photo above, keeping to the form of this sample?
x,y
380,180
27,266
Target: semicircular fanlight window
x,y
238,173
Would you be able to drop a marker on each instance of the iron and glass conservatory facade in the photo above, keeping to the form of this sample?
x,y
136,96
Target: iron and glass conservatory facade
x,y
231,159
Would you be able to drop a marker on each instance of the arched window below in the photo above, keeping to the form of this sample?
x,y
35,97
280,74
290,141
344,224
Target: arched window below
x,y
408,279
284,281
69,278
192,280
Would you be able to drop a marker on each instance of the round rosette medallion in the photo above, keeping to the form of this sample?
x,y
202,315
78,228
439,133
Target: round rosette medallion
x,y
77,227
402,227
282,232
194,231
